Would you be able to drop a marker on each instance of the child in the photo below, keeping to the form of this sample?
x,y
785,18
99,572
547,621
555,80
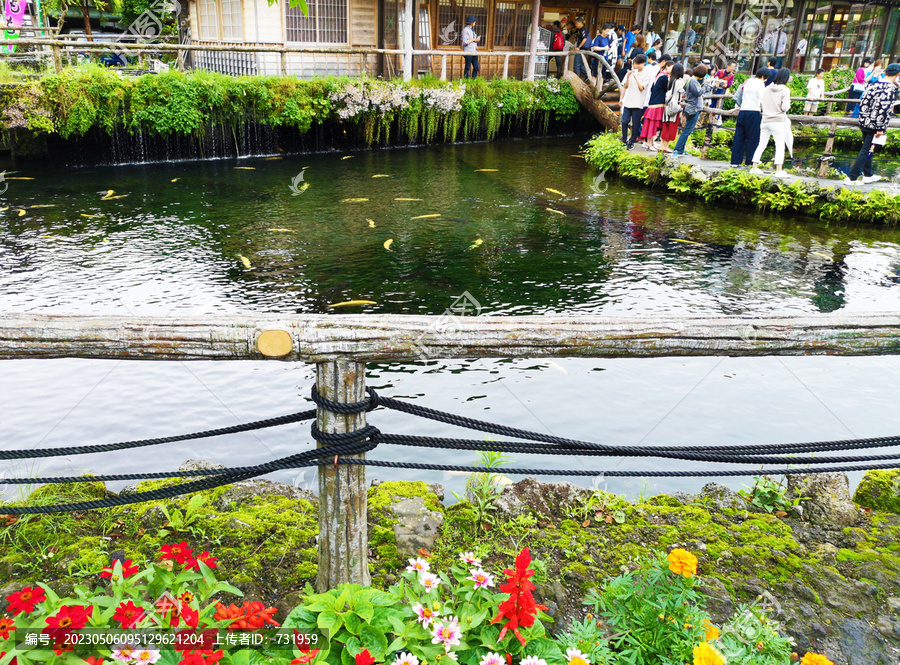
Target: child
x,y
815,88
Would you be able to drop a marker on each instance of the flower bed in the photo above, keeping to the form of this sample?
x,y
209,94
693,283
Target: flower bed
x,y
167,612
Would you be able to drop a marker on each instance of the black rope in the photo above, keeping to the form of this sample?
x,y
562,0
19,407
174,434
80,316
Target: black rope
x,y
345,407
125,445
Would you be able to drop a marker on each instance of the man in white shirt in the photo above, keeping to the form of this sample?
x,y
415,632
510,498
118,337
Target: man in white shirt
x,y
777,44
470,47
634,87
746,131
652,67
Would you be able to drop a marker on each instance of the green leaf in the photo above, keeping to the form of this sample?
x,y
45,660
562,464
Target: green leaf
x,y
240,657
329,620
301,4
374,640
365,610
352,621
398,644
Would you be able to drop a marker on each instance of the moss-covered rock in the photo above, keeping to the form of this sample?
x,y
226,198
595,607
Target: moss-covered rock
x,y
879,489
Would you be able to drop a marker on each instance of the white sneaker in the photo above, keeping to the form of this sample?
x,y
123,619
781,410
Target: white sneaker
x,y
847,181
869,180
756,171
782,174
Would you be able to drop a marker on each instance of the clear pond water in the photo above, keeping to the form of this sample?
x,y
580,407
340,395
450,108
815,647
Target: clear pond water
x,y
246,236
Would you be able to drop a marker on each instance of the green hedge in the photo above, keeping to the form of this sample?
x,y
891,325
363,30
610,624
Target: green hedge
x,y
738,188
79,99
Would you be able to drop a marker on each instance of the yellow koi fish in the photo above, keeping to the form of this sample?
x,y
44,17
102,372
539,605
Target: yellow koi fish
x,y
4,208
388,243
399,199
558,212
347,157
44,205
108,194
381,175
175,179
48,237
86,215
488,170
21,212
350,303
477,243
269,159
110,198
555,191
282,230
18,177
246,168
371,223
824,256
245,261
353,200
687,242
426,216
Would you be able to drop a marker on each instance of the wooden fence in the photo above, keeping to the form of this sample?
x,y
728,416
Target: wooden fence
x,y
341,345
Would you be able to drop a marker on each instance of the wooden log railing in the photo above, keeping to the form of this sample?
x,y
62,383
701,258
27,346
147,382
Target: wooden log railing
x,y
341,345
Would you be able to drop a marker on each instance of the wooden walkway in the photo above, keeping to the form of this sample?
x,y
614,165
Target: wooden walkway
x,y
888,186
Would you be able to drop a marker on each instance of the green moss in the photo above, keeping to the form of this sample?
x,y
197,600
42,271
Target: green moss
x,y
880,490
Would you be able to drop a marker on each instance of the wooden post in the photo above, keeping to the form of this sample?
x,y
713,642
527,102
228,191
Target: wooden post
x,y
707,140
532,46
505,67
57,59
343,526
283,62
826,158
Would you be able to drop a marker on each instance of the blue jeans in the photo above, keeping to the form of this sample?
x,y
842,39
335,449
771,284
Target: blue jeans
x,y
471,62
851,108
634,116
579,65
746,137
690,123
863,162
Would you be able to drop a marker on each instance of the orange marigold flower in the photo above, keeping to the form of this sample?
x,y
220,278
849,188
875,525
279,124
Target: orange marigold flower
x,y
705,654
815,659
712,633
682,562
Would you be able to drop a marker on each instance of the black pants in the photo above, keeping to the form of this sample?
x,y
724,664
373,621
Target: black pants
x,y
471,62
862,163
746,137
560,66
853,94
635,116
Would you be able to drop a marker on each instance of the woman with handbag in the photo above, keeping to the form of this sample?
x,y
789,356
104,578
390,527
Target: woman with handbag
x,y
653,115
693,105
673,107
858,86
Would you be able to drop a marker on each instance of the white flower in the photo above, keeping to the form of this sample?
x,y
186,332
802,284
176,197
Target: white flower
x,y
418,566
430,581
493,659
481,578
533,660
408,659
575,653
469,558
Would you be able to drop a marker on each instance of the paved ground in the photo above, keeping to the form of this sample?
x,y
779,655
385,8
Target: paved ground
x,y
886,186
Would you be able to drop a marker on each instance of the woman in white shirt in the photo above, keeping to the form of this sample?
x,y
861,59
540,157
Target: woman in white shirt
x,y
776,102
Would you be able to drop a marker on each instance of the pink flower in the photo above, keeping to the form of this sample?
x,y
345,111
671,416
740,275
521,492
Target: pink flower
x,y
426,614
533,660
469,558
418,566
492,659
481,578
446,631
430,581
405,659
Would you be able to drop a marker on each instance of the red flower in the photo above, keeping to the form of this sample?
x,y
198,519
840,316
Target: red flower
x,y
250,616
200,657
179,551
365,658
127,569
301,641
6,625
12,662
128,614
25,600
190,616
94,660
520,608
65,622
167,609
194,564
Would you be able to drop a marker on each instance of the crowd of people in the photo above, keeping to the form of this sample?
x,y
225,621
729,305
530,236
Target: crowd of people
x,y
661,100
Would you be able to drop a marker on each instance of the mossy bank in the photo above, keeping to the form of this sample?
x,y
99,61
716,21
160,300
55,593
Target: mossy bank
x,y
832,578
738,188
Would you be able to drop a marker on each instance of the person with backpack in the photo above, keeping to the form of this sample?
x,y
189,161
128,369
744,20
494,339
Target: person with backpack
x,y
776,102
673,107
748,100
693,104
470,47
558,43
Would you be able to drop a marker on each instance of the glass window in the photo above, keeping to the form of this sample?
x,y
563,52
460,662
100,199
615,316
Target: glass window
x,y
512,21
451,20
325,24
232,28
209,23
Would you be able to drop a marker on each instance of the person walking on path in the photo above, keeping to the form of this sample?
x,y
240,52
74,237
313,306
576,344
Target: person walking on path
x,y
693,104
582,43
636,81
748,99
858,86
673,107
773,70
470,46
815,90
776,102
656,106
875,109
